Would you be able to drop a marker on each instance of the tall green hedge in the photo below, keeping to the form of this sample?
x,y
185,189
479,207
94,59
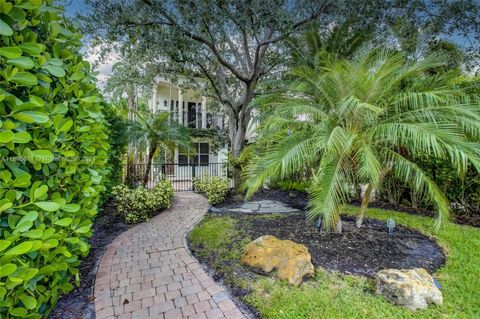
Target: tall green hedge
x,y
53,151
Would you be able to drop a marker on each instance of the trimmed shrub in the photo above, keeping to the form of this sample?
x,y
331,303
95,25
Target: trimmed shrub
x,y
140,204
215,188
53,146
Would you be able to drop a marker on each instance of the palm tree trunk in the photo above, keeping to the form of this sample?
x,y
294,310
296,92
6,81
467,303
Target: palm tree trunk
x,y
364,205
149,165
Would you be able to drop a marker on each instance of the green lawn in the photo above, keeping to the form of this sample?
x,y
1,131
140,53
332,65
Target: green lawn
x,y
333,295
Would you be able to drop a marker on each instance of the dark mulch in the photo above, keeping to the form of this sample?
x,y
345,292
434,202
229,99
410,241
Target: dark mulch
x,y
361,251
80,304
299,200
293,198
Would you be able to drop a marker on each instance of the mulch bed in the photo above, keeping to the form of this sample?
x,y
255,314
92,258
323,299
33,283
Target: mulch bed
x,y
357,251
299,200
80,304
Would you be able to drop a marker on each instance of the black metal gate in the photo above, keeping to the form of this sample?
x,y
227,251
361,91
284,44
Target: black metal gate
x,y
181,175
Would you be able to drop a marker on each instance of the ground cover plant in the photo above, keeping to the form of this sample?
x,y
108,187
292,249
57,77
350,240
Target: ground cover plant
x,y
53,145
218,241
140,204
215,188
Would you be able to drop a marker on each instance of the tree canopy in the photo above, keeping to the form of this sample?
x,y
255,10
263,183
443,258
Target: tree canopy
x,y
236,45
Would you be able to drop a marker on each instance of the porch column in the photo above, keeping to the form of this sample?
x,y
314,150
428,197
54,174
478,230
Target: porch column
x,y
180,108
154,97
204,112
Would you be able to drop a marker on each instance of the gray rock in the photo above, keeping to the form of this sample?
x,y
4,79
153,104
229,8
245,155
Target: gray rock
x,y
411,288
215,210
240,210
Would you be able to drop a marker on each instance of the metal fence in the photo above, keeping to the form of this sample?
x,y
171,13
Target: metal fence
x,y
181,175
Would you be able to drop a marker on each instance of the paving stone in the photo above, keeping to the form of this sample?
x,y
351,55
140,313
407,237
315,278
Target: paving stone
x,y
146,272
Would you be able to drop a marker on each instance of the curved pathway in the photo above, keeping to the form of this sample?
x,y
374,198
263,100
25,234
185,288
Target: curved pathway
x,y
147,272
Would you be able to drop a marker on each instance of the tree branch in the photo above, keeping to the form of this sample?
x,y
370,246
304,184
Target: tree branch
x,y
200,39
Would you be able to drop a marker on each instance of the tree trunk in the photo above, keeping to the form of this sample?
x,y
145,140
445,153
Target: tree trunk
x,y
338,226
238,129
364,205
149,165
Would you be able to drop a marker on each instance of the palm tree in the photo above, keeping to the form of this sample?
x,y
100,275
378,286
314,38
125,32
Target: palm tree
x,y
154,131
354,122
342,40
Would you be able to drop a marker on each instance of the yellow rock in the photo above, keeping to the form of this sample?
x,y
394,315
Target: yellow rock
x,y
291,260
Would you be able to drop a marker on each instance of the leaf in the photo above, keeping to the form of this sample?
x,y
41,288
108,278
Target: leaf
x,y
10,52
20,249
22,226
32,48
24,78
83,229
18,312
31,117
30,216
4,244
7,269
48,206
22,181
90,99
71,208
22,137
6,136
5,29
5,204
66,126
35,234
43,156
5,176
54,70
28,301
63,222
31,4
22,62
36,100
40,191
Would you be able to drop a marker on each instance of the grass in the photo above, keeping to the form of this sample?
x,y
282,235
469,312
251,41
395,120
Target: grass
x,y
333,295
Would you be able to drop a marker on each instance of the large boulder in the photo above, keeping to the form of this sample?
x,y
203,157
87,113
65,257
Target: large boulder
x,y
291,260
411,288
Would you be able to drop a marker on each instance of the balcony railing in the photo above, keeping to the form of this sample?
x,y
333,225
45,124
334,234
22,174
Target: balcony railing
x,y
213,120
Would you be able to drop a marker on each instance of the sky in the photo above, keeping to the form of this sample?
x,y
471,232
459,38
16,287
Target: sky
x,y
73,7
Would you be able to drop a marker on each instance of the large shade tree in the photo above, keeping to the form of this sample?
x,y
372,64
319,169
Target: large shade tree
x,y
230,44
352,122
234,45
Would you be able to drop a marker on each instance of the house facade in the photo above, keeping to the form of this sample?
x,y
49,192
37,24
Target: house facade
x,y
190,108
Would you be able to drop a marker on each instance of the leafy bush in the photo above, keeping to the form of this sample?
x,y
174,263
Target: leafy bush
x,y
463,192
140,204
289,185
215,188
53,146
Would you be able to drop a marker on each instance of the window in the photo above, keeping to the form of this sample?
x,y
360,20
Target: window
x,y
199,157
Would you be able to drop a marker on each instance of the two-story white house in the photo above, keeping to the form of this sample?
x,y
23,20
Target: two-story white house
x,y
191,109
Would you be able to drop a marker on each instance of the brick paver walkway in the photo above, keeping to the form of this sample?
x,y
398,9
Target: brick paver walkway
x,y
148,273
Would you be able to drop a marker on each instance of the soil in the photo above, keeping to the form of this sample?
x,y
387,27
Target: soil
x,y
362,251
80,303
